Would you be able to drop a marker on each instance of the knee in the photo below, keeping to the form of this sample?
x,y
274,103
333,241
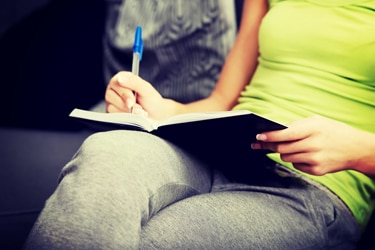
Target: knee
x,y
99,151
108,141
118,141
116,150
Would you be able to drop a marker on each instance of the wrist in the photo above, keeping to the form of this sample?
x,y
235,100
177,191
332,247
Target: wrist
x,y
172,107
365,162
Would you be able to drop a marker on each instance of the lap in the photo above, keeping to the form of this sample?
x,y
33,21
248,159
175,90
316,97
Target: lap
x,y
151,187
125,155
242,216
128,165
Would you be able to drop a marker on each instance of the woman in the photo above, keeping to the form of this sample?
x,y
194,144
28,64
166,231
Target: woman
x,y
128,189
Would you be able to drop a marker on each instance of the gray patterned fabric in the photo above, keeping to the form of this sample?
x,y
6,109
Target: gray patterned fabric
x,y
185,42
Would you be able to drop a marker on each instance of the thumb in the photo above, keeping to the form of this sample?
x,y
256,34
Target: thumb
x,y
134,83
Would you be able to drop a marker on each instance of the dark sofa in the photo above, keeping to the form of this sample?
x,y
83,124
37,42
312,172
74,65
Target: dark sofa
x,y
51,62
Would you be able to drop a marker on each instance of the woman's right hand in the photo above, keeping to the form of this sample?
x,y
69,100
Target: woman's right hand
x,y
120,97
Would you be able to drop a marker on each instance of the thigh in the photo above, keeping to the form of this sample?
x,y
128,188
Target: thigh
x,y
246,217
121,164
114,184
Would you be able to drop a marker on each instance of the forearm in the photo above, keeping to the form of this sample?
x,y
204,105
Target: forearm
x,y
235,75
239,66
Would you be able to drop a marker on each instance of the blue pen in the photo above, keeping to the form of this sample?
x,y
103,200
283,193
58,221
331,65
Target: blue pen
x,y
137,54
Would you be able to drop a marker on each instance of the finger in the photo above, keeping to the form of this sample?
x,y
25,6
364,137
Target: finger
x,y
295,131
134,83
300,157
138,110
114,99
310,169
283,135
304,167
283,147
124,93
116,85
305,162
113,109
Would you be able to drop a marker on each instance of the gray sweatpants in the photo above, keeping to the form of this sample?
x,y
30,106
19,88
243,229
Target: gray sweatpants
x,y
132,190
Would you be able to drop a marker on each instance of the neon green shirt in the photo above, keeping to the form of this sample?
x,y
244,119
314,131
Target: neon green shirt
x,y
318,57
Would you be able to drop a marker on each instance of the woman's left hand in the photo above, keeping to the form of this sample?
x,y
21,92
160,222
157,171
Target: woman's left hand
x,y
318,145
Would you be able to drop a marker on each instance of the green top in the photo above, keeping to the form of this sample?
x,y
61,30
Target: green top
x,y
326,54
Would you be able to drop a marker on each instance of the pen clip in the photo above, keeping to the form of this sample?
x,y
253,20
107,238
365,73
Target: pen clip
x,y
138,42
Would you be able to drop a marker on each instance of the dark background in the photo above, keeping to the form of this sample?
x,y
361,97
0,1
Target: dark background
x,y
12,11
50,61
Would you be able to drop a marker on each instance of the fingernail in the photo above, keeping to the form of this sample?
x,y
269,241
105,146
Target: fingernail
x,y
261,137
139,111
255,145
122,80
129,103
